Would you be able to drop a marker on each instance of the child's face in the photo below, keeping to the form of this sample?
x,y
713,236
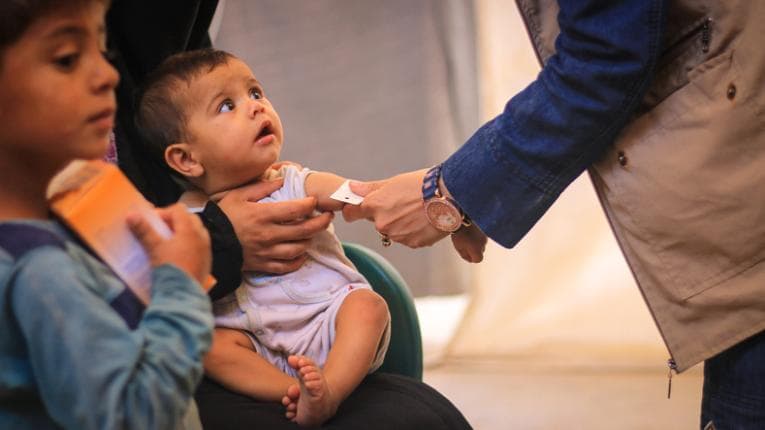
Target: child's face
x,y
56,89
233,130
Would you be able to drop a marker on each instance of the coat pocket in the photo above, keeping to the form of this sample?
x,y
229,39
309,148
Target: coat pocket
x,y
677,59
691,199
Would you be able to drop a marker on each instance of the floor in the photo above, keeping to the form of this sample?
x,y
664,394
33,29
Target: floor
x,y
502,396
510,395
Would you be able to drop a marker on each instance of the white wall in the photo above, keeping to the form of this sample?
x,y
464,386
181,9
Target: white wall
x,y
368,90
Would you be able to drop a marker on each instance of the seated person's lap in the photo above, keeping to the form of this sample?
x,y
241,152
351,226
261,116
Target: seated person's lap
x,y
382,401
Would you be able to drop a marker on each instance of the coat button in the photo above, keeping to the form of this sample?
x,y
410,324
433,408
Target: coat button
x,y
731,93
622,158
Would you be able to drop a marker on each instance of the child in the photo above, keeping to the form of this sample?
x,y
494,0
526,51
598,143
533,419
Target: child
x,y
308,337
67,357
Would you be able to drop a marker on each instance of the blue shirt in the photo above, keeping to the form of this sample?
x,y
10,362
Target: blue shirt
x,y
514,167
68,359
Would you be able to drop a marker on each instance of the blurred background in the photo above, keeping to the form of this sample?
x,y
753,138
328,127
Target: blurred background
x,y
549,334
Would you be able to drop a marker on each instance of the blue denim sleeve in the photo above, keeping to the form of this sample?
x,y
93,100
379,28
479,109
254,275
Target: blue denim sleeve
x,y
91,370
514,167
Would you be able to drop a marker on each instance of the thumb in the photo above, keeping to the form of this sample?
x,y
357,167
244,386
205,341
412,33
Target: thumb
x,y
144,232
364,188
260,189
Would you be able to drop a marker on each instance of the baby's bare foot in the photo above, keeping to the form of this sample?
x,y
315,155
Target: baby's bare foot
x,y
290,401
315,404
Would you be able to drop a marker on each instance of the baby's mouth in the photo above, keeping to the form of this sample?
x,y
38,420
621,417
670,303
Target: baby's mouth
x,y
265,135
265,131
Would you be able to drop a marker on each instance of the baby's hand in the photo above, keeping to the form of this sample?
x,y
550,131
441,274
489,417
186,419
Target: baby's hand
x,y
470,242
188,248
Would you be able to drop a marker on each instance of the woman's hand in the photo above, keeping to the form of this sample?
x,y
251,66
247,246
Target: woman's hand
x,y
395,206
274,236
470,243
188,248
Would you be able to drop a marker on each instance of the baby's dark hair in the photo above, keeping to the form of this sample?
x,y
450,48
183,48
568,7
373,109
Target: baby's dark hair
x,y
160,114
17,15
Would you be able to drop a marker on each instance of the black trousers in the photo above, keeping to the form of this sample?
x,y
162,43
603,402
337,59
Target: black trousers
x,y
381,402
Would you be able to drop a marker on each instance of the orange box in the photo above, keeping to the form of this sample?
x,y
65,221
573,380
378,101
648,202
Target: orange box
x,y
94,198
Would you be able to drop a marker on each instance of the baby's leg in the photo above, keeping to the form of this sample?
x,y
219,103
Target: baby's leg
x,y
233,363
359,327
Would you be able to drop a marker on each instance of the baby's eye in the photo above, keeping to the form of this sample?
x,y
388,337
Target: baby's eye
x,y
67,62
226,106
256,93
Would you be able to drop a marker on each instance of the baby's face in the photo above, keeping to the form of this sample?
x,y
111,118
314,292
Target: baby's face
x,y
232,127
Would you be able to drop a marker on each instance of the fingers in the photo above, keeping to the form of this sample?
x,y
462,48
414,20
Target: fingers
x,y
364,188
285,250
279,164
181,221
288,211
187,246
302,230
144,232
353,213
276,266
256,191
470,243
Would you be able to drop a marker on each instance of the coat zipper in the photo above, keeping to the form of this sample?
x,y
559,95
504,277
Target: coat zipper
x,y
706,35
672,367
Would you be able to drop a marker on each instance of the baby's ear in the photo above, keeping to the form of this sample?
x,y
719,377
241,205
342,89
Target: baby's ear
x,y
181,158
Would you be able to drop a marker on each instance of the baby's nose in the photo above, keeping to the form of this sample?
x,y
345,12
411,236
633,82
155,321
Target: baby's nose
x,y
256,107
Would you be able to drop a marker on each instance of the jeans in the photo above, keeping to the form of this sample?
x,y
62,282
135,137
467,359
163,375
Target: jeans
x,y
734,387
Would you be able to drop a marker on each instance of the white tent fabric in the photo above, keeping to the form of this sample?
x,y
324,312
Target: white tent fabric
x,y
564,295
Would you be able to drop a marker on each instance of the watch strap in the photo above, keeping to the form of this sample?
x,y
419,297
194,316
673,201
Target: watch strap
x,y
430,191
430,183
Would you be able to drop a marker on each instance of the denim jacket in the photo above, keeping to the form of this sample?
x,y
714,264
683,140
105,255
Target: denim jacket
x,y
663,102
550,132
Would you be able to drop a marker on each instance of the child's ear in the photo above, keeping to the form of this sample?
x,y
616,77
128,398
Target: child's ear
x,y
181,158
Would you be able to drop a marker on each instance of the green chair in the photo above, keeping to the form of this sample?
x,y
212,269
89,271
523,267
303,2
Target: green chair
x,y
404,355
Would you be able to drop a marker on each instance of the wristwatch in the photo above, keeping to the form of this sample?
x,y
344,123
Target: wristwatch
x,y
442,212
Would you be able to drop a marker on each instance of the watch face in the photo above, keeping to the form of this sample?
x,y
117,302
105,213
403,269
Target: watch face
x,y
443,215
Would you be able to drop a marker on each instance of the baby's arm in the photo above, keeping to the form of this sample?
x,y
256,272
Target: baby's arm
x,y
321,185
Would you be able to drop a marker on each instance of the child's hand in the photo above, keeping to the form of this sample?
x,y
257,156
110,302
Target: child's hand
x,y
470,242
188,248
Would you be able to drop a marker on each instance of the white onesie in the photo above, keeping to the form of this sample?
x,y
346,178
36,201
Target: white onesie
x,y
295,313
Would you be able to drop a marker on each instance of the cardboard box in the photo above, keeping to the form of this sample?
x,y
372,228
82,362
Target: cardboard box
x,y
94,198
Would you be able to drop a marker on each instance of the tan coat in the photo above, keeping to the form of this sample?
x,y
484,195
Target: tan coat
x,y
684,185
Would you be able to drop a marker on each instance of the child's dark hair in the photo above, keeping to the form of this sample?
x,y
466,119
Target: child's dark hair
x,y
17,15
160,115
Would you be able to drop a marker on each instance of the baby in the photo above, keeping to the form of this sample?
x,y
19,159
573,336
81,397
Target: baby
x,y
305,338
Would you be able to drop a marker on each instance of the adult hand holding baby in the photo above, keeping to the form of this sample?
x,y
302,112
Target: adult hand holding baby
x,y
274,236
